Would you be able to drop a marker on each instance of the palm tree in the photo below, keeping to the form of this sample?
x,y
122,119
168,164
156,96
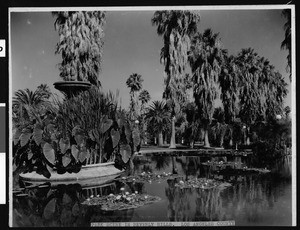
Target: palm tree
x,y
134,82
28,104
158,117
250,96
219,127
206,60
80,44
286,43
176,28
144,98
275,94
229,81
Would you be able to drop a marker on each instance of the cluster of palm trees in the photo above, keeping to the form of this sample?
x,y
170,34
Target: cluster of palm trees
x,y
195,63
248,85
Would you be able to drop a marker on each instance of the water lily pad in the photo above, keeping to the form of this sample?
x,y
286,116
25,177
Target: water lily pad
x,y
202,183
121,201
147,177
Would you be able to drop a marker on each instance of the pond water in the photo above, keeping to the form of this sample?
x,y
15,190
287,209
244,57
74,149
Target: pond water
x,y
254,198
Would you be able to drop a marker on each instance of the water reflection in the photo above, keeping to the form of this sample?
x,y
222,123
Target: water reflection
x,y
253,198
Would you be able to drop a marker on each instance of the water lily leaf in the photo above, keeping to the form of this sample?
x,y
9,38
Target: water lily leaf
x,y
125,151
49,210
106,124
66,199
75,151
83,154
115,136
49,153
24,138
17,136
66,160
64,145
37,134
75,209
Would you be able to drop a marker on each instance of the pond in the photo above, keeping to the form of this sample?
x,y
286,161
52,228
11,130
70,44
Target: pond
x,y
254,198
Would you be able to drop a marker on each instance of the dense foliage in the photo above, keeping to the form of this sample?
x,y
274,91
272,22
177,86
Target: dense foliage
x,y
86,129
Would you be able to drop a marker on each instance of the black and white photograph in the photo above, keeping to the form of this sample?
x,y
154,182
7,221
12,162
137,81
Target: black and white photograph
x,y
152,116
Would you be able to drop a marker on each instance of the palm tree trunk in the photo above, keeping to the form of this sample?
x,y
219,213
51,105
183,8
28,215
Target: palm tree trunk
x,y
222,140
206,140
173,140
160,139
248,137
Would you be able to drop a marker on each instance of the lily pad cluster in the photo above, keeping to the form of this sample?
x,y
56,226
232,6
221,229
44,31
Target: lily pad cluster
x,y
146,177
202,183
121,201
222,163
245,170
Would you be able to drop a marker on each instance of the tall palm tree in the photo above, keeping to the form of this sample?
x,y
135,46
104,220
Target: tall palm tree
x,y
287,42
28,104
80,44
206,59
158,117
229,82
250,96
176,28
275,94
134,83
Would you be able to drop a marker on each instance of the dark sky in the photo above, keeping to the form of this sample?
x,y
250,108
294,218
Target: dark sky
x,y
133,46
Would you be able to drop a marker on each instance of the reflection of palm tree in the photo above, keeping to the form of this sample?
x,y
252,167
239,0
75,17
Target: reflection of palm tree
x,y
209,206
179,206
190,165
161,161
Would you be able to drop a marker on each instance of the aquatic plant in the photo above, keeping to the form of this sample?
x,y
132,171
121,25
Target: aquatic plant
x,y
202,183
121,201
83,130
146,177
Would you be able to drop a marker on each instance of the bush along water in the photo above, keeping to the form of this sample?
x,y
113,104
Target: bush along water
x,y
85,130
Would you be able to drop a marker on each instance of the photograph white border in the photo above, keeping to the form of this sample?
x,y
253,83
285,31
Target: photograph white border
x,y
153,8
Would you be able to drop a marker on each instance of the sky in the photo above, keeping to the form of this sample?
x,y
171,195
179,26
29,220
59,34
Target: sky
x,y
132,45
